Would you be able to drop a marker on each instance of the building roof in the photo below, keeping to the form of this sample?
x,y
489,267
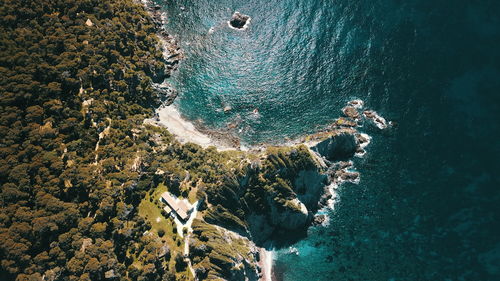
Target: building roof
x,y
167,209
179,206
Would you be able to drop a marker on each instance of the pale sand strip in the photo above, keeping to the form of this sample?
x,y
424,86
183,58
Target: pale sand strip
x,y
185,131
266,264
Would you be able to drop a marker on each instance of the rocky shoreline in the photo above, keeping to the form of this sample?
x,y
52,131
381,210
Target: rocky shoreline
x,y
332,148
172,52
173,55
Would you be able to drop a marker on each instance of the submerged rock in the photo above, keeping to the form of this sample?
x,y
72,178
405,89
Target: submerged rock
x,y
239,21
356,104
337,147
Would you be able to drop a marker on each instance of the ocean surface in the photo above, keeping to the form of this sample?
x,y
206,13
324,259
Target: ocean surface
x,y
428,205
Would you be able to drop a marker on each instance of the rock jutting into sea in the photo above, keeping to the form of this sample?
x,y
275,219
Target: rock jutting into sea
x,y
167,93
315,166
351,112
337,147
379,121
239,21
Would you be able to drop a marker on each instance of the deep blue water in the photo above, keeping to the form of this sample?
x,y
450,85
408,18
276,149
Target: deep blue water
x,y
428,204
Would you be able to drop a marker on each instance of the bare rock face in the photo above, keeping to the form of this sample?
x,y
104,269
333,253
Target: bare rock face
x,y
293,216
166,92
338,147
239,20
351,112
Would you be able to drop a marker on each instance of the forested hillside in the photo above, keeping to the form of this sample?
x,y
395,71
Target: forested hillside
x,y
75,80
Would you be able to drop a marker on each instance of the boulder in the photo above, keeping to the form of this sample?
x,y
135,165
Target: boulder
x,y
378,120
351,112
338,147
319,219
110,274
164,251
238,20
347,176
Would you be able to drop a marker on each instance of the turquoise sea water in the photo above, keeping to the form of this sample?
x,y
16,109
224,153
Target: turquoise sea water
x,y
427,206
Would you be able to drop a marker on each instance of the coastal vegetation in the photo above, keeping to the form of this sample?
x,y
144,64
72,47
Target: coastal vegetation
x,y
81,172
75,86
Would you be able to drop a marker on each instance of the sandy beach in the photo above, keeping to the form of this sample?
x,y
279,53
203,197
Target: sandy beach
x,y
185,131
266,264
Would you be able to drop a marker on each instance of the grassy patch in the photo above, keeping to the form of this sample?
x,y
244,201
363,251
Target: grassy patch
x,y
150,209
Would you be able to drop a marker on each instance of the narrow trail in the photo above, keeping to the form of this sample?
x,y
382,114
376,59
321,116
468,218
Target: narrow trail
x,y
180,231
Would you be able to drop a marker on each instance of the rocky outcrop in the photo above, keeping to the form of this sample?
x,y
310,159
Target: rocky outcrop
x,y
292,215
239,21
166,93
337,147
273,197
221,254
172,53
351,112
309,186
290,199
319,219
378,120
341,171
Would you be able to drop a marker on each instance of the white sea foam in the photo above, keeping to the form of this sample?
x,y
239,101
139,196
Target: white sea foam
x,y
360,154
362,145
332,188
378,120
366,136
356,103
293,250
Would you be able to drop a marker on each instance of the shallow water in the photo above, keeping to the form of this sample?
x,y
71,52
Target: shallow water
x,y
427,205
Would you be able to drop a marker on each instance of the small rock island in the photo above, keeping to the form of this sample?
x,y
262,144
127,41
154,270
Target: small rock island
x,y
239,21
